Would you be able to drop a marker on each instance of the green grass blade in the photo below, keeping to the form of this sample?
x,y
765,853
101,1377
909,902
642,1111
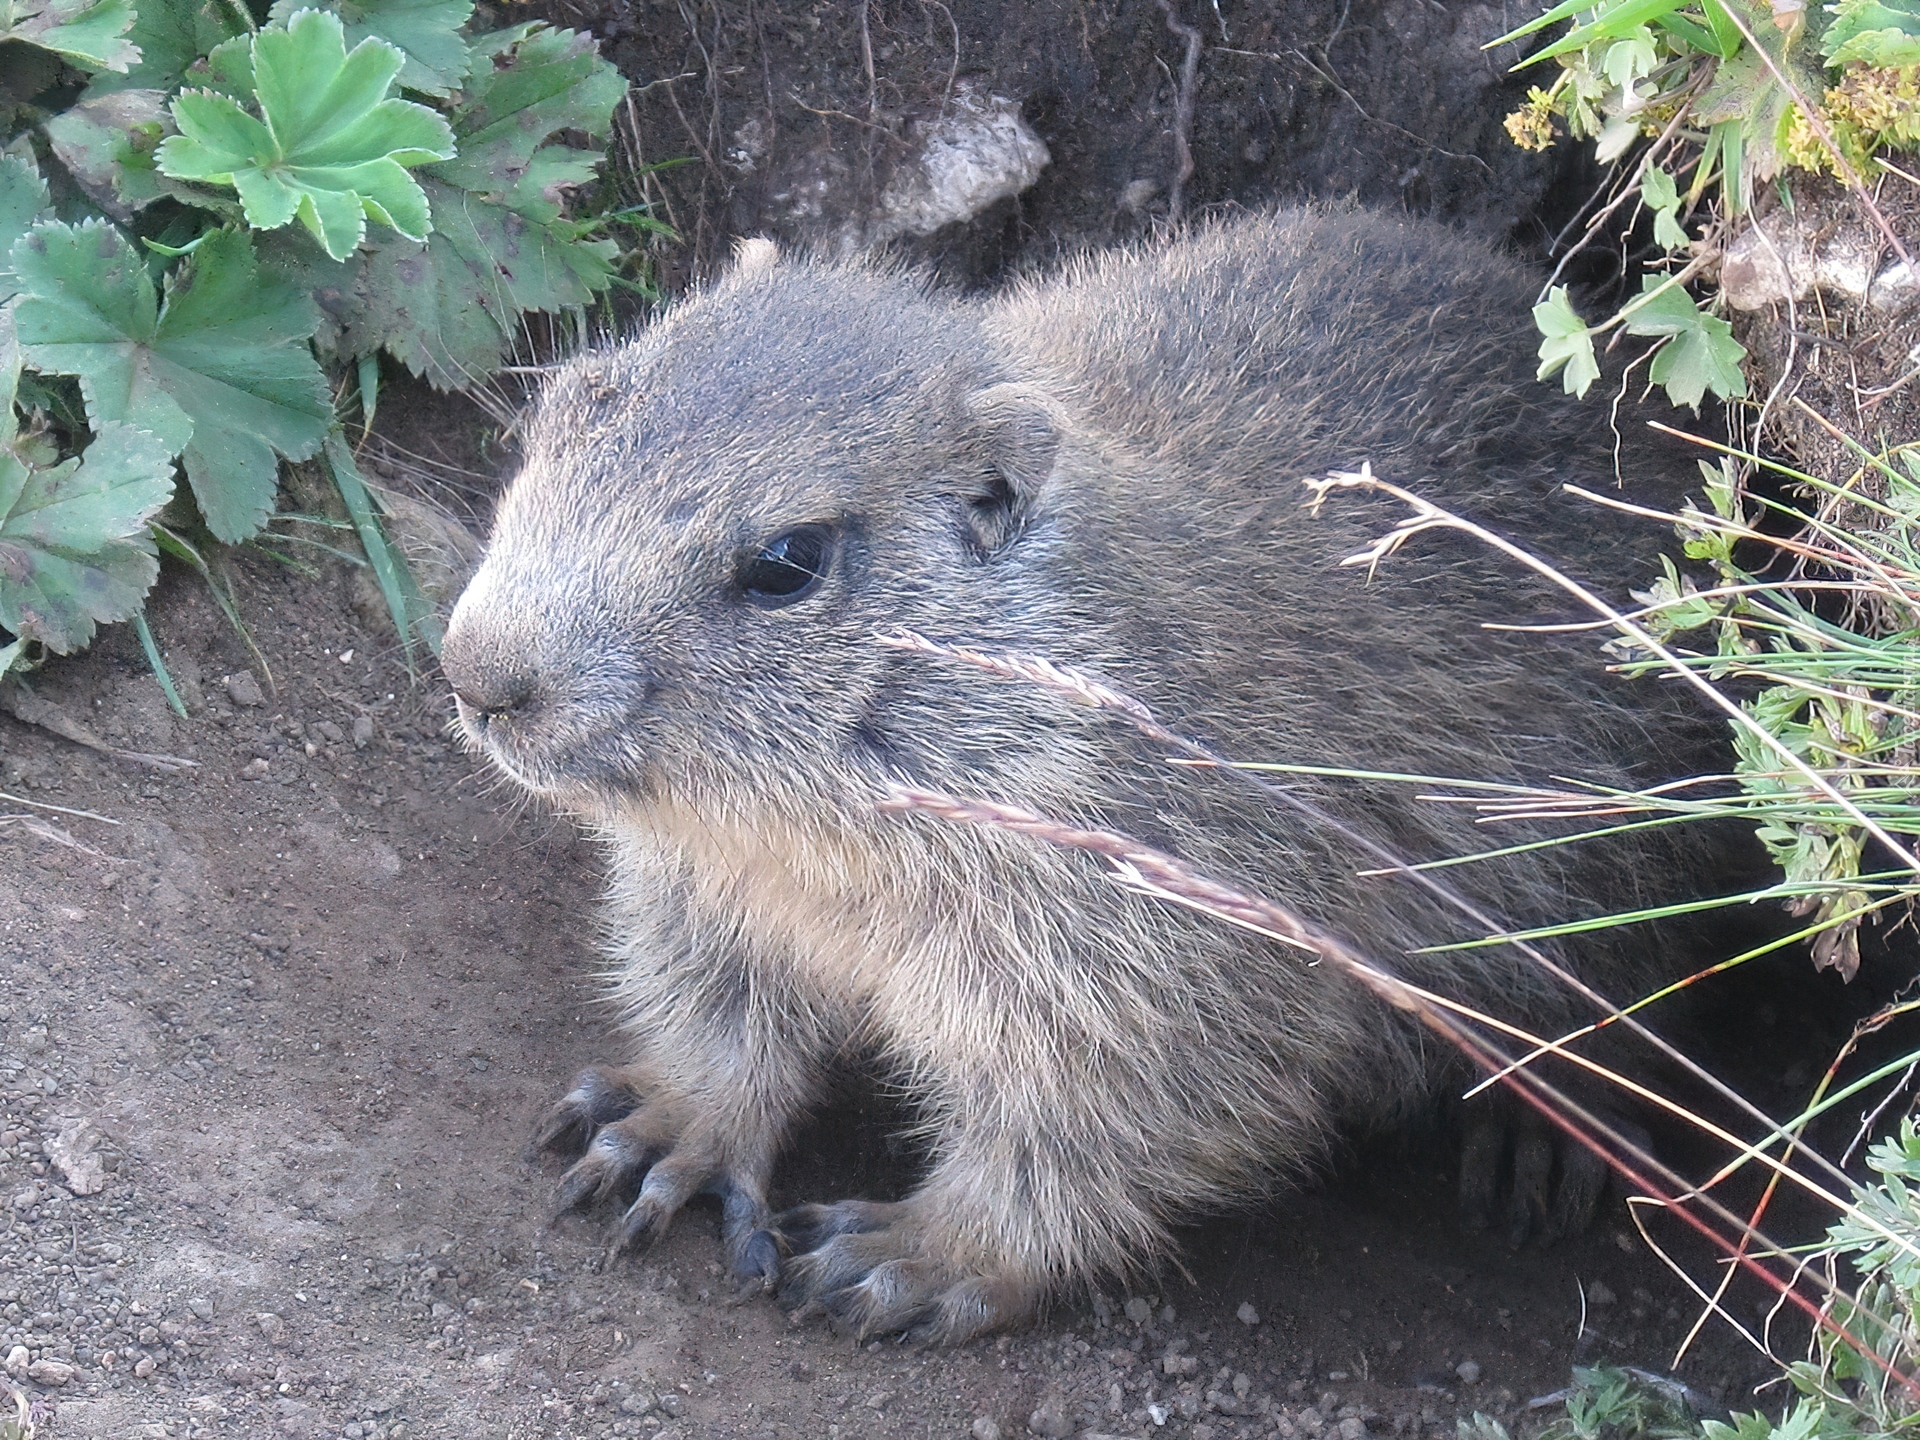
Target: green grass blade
x,y
1622,20
412,616
159,666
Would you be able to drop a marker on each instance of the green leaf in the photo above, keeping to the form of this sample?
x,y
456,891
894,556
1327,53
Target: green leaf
x,y
90,33
1662,197
425,31
1630,57
222,373
327,147
1614,24
1725,31
1701,354
23,203
530,82
171,35
1568,343
107,142
448,308
1888,49
74,549
1872,32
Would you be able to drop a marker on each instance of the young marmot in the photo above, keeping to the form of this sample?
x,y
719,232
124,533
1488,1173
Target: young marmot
x,y
674,635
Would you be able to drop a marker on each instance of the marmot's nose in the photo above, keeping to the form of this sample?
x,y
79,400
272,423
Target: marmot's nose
x,y
483,680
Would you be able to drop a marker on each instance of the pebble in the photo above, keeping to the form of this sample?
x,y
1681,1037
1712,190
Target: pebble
x,y
254,769
72,1153
1138,1310
51,1372
1468,1371
17,1359
1353,1428
1050,1420
986,1428
362,731
244,689
144,1366
201,1307
1246,1314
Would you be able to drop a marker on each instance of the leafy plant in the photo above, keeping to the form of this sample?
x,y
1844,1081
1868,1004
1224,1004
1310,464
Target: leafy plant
x,y
179,194
1840,693
1732,93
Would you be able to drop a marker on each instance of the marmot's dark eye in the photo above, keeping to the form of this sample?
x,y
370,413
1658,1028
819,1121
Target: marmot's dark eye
x,y
789,567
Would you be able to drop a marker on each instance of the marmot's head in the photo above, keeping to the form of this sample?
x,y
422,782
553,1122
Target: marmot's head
x,y
685,581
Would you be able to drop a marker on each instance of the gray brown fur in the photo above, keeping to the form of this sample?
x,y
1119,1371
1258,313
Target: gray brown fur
x,y
1103,468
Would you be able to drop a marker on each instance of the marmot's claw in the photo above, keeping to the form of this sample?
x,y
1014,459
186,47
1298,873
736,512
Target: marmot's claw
x,y
808,1227
620,1155
868,1278
600,1095
1529,1180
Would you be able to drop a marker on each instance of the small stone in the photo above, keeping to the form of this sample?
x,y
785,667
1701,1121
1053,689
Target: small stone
x,y
244,689
72,1153
144,1366
201,1307
1246,1314
51,1372
1138,1310
254,769
1242,1383
1050,1420
1468,1371
362,731
17,1359
878,1400
331,732
985,1428
1599,1296
1353,1428
670,1404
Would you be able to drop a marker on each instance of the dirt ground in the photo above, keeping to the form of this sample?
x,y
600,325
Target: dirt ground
x,y
291,1014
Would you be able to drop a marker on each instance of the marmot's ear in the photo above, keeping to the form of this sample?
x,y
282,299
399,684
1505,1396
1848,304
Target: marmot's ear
x,y
1018,437
752,254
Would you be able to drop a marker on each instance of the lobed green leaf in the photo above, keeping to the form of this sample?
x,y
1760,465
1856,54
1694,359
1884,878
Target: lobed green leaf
x,y
327,148
449,307
90,33
171,36
1872,32
74,549
1701,353
1568,344
427,32
221,374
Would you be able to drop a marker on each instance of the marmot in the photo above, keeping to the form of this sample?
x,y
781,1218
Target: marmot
x,y
673,633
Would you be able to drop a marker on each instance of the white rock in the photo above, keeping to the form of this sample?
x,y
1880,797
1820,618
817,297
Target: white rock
x,y
978,150
1246,1314
51,1372
72,1152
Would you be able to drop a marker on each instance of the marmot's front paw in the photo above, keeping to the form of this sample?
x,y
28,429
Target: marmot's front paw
x,y
642,1149
875,1269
